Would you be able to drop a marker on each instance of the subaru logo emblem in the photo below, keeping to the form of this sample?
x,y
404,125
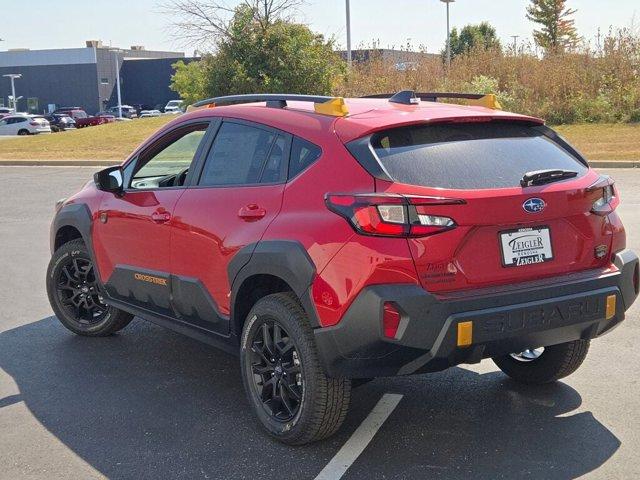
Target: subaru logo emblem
x,y
534,205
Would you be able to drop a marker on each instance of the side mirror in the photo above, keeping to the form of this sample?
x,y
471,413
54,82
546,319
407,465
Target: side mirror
x,y
110,179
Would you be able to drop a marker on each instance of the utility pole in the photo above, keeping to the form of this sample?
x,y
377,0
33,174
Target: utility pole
x,y
115,56
349,58
448,33
14,100
515,43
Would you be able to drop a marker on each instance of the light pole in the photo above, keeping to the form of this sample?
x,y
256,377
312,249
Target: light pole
x,y
117,64
13,77
515,43
349,59
448,33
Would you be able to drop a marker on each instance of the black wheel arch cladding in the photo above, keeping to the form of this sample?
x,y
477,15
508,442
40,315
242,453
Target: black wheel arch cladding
x,y
78,216
284,259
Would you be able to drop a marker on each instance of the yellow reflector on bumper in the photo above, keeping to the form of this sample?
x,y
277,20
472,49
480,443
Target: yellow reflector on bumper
x,y
611,307
465,334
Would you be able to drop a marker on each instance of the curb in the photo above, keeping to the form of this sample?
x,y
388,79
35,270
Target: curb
x,y
58,163
108,163
615,164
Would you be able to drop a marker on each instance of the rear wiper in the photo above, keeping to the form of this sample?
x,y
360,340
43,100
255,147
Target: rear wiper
x,y
541,177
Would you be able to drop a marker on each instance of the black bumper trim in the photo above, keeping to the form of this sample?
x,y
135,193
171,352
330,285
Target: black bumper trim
x,y
504,322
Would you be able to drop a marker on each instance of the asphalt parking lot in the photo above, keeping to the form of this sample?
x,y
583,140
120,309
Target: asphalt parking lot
x,y
148,403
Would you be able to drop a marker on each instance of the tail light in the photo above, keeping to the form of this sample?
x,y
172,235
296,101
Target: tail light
x,y
390,215
34,124
607,200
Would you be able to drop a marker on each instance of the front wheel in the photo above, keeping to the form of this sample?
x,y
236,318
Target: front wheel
x,y
545,364
74,294
288,390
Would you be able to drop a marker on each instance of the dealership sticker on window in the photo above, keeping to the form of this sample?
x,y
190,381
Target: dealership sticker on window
x,y
526,246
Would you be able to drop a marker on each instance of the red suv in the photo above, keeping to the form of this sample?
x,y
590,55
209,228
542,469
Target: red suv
x,y
326,240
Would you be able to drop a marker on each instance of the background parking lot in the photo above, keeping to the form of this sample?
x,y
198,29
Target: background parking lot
x,y
148,403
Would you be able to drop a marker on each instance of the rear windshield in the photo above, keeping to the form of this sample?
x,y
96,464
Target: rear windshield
x,y
469,156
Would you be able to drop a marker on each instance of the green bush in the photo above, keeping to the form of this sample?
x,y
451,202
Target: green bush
x,y
256,58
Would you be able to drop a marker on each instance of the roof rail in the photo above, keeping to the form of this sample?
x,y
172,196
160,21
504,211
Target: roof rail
x,y
334,106
409,97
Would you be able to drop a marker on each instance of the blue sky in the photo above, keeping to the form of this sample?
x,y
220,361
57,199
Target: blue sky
x,y
68,23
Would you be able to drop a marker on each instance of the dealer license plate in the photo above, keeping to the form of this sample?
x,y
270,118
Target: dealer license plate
x,y
526,246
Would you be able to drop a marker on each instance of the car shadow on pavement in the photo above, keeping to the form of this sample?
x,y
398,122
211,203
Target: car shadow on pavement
x,y
148,403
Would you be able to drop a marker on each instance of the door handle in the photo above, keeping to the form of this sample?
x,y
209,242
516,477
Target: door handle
x,y
252,212
160,217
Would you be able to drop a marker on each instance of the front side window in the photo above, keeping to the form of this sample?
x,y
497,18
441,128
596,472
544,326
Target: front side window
x,y
167,164
244,155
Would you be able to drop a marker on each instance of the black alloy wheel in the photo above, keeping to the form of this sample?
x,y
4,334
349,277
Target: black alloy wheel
x,y
286,384
75,296
277,372
78,292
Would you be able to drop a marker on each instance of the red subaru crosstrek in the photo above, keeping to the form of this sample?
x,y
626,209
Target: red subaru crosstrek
x,y
326,240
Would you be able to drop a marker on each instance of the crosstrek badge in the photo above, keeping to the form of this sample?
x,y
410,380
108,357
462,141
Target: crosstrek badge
x,y
150,278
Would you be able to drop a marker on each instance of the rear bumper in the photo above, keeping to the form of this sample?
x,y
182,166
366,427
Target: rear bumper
x,y
504,321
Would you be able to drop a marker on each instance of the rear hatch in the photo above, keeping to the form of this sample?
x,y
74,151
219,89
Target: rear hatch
x,y
503,223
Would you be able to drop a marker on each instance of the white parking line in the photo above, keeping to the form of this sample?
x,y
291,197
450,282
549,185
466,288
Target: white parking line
x,y
356,444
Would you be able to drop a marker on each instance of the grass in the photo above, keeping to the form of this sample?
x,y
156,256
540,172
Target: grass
x,y
117,140
114,141
605,141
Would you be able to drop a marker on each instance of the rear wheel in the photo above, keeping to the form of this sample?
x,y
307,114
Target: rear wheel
x,y
23,132
544,364
74,294
288,390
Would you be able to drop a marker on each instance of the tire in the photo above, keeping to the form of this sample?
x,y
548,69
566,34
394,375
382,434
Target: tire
x,y
70,276
322,402
554,363
23,132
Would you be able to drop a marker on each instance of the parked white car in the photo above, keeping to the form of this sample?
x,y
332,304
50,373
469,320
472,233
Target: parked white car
x,y
149,113
24,125
174,107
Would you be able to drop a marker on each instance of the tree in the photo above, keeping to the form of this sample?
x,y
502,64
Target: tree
x,y
558,32
482,35
190,80
206,22
258,57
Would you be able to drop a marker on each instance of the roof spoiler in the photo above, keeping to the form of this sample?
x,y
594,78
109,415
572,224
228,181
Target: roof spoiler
x,y
409,97
325,105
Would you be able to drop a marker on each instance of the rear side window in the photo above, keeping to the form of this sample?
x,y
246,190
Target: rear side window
x,y
244,155
303,154
469,156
